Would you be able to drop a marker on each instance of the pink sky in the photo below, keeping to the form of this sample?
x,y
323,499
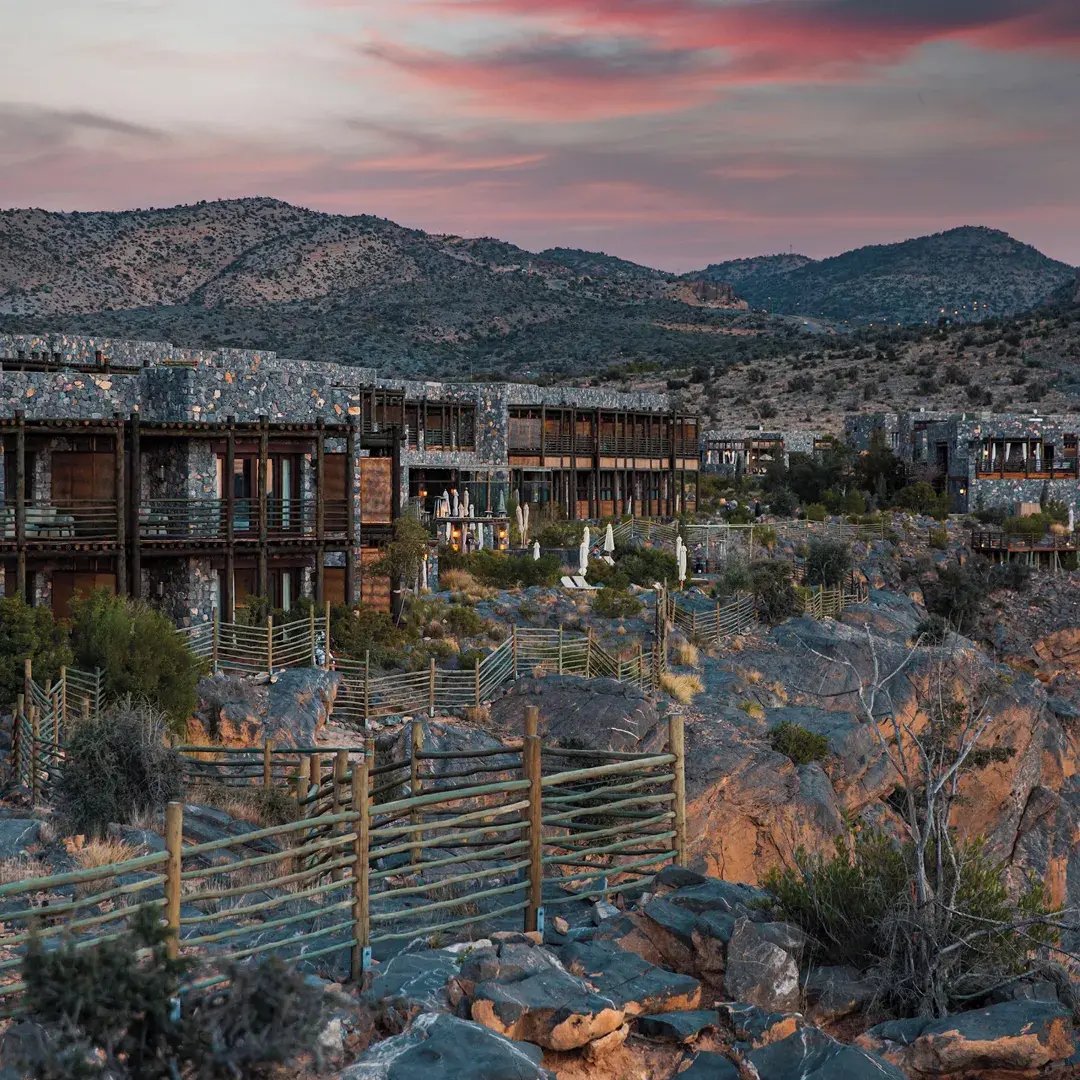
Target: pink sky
x,y
673,132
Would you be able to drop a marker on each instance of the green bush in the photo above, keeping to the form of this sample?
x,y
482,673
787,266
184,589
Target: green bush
x,y
939,539
1032,525
773,590
1010,575
933,630
28,632
734,578
815,512
613,603
958,594
798,744
117,765
109,1012
827,562
559,534
646,566
354,633
139,653
504,571
462,621
921,498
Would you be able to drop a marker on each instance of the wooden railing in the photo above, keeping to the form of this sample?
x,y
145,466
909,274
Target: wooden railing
x,y
551,826
711,625
822,602
245,650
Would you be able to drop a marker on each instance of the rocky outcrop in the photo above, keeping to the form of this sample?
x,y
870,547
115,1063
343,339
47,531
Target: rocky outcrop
x,y
1010,1039
290,710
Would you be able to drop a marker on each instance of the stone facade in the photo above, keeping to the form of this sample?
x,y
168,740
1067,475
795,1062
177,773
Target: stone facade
x,y
984,460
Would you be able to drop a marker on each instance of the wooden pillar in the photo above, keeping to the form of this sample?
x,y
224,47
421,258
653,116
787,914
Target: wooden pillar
x,y
416,746
673,427
228,593
594,508
320,510
135,501
532,769
174,830
20,503
571,502
263,584
120,491
395,473
350,515
676,746
361,947
532,720
267,758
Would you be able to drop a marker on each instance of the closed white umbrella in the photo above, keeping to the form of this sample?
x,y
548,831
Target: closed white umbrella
x,y
465,503
479,536
609,539
525,519
1072,519
583,558
682,564
455,505
536,550
586,539
445,499
630,506
520,521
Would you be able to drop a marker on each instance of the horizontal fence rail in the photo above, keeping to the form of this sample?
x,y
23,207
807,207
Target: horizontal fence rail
x,y
407,848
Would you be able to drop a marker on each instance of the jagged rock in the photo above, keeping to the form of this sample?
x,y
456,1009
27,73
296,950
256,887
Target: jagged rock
x,y
1010,1038
419,978
677,1027
836,992
599,1049
755,1027
810,1054
759,970
550,1008
18,834
632,984
709,1065
598,714
440,1047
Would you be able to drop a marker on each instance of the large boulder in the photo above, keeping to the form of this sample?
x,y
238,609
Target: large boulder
x,y
760,970
1012,1038
290,710
440,1047
17,835
810,1054
594,714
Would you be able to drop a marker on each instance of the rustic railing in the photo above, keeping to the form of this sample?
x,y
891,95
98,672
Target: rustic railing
x,y
359,870
712,624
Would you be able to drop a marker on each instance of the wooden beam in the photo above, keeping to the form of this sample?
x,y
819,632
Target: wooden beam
x,y
351,464
228,482
120,492
263,584
135,499
20,502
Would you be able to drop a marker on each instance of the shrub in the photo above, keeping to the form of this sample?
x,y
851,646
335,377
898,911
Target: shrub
x,y
933,630
827,562
798,744
117,766
782,502
686,653
939,539
504,571
109,1011
28,632
259,805
139,653
463,621
815,512
683,688
765,535
734,578
559,534
614,603
958,594
647,566
1010,575
773,590
355,633
921,498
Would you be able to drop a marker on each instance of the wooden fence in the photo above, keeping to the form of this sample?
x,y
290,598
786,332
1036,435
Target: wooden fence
x,y
365,696
710,625
249,650
823,602
448,849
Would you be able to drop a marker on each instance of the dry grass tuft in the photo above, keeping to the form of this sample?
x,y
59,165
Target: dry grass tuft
x,y
461,581
21,868
92,854
257,805
686,654
683,688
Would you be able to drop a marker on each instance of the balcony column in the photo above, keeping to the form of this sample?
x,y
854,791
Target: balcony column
x,y
543,431
20,502
352,514
120,490
134,501
264,524
594,510
673,462
320,513
395,472
228,482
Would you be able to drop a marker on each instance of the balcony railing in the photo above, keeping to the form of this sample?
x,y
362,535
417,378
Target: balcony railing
x,y
624,446
1029,470
61,522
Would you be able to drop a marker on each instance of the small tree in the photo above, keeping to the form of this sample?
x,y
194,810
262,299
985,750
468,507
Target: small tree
x,y
139,652
28,633
827,562
404,555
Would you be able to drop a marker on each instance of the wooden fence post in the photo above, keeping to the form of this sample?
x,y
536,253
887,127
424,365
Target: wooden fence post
x,y
315,773
28,678
215,642
361,947
326,646
676,746
514,648
476,680
266,763
588,654
431,688
311,633
174,832
35,737
532,720
560,650
416,745
338,800
367,685
63,698
85,711
269,644
16,733
532,770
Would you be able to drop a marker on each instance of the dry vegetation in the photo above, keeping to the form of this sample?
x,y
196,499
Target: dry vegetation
x,y
683,688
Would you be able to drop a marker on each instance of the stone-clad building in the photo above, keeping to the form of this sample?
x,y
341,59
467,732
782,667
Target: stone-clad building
x,y
750,451
116,458
983,460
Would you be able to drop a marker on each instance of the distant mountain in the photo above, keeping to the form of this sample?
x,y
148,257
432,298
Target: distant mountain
x,y
965,274
260,273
